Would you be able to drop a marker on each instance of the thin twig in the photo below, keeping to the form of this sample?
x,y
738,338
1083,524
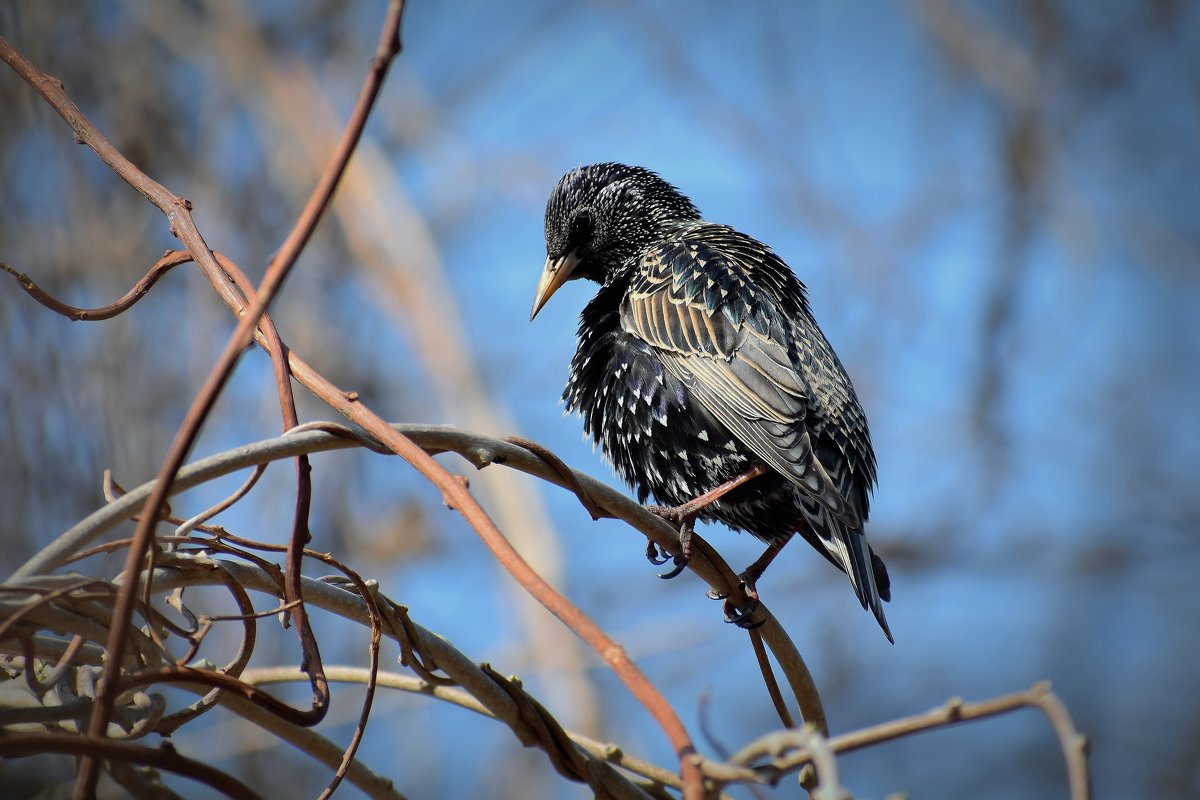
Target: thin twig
x,y
204,516
789,750
172,258
764,667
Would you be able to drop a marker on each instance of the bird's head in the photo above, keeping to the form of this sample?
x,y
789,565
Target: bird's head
x,y
599,217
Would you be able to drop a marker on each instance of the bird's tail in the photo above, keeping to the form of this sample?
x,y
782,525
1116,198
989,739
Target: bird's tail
x,y
847,548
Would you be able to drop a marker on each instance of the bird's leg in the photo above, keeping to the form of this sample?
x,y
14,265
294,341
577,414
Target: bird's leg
x,y
751,574
684,518
748,580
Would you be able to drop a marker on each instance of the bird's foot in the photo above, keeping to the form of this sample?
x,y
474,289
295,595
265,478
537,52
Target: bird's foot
x,y
741,616
684,518
748,583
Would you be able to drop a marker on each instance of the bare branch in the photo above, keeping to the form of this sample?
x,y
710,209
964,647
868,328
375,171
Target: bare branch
x,y
172,258
163,757
481,450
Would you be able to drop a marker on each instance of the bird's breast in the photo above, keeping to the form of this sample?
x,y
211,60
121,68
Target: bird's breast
x,y
664,443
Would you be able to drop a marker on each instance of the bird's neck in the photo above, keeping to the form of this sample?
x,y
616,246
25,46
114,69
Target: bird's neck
x,y
602,313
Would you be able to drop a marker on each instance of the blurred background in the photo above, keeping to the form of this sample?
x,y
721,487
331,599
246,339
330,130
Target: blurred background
x,y
995,209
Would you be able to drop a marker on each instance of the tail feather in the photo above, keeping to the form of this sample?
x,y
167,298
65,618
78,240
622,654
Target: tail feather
x,y
849,551
882,581
862,577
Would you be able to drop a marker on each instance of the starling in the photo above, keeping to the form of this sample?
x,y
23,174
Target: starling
x,y
704,377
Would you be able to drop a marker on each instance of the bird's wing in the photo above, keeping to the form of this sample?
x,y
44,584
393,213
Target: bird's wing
x,y
714,305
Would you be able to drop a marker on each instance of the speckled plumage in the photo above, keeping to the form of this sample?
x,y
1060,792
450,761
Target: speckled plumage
x,y
699,359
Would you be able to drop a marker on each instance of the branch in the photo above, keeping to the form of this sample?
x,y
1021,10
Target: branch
x,y
777,754
310,742
477,448
605,751
189,570
163,757
172,258
954,711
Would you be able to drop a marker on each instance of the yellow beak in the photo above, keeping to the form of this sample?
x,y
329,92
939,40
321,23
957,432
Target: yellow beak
x,y
554,274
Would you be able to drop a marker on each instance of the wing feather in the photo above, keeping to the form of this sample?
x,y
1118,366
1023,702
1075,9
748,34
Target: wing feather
x,y
726,342
717,308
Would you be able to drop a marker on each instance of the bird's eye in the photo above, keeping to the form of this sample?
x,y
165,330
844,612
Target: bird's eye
x,y
582,227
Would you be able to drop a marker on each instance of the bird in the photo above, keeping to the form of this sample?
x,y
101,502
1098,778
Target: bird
x,y
702,375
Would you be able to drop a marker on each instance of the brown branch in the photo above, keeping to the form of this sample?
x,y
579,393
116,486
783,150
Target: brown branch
x,y
172,258
190,524
176,209
764,666
395,247
268,336
163,757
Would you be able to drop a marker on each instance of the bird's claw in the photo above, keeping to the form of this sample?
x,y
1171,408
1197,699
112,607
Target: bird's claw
x,y
681,563
741,616
685,522
684,555
655,555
